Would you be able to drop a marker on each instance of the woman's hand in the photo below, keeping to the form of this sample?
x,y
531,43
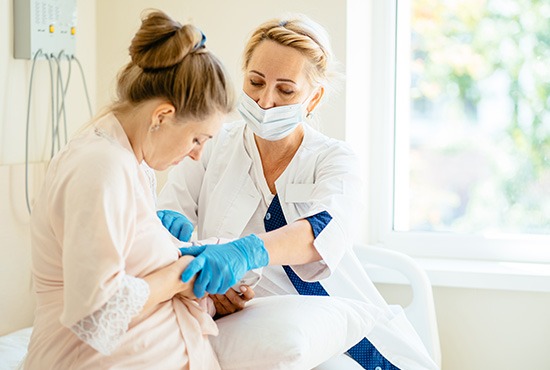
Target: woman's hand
x,y
231,301
165,283
181,288
178,225
220,266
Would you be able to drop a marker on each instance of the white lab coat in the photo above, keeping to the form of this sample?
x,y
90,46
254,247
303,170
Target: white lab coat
x,y
218,195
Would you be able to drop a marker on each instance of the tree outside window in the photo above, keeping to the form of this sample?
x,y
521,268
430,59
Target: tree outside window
x,y
478,118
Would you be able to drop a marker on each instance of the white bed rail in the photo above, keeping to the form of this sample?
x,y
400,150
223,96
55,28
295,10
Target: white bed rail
x,y
421,310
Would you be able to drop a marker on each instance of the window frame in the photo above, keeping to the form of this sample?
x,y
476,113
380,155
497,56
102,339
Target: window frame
x,y
378,156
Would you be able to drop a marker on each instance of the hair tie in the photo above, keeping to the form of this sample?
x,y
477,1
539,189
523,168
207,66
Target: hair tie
x,y
201,43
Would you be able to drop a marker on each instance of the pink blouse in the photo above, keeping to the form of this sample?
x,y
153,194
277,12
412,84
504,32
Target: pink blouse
x,y
95,235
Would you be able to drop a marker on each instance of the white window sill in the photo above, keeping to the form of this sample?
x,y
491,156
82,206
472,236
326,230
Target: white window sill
x,y
514,276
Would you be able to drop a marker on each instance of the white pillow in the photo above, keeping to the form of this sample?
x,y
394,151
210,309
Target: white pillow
x,y
291,332
13,348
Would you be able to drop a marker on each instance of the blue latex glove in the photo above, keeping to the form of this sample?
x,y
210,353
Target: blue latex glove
x,y
220,266
177,224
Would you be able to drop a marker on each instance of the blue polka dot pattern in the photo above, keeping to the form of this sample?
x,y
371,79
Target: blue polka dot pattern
x,y
368,356
318,222
363,352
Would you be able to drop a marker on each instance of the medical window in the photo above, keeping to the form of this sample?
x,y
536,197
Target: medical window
x,y
471,126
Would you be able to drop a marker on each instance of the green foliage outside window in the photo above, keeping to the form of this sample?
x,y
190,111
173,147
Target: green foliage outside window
x,y
480,116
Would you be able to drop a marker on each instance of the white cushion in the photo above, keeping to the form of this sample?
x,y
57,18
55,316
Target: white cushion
x,y
13,348
291,332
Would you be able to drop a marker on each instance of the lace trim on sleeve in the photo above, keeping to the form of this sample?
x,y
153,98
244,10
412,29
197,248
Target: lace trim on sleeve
x,y
103,329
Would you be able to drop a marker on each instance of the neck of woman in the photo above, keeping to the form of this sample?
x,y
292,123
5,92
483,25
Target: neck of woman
x,y
276,155
135,128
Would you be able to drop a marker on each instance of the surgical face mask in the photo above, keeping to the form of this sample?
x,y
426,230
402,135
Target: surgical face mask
x,y
274,123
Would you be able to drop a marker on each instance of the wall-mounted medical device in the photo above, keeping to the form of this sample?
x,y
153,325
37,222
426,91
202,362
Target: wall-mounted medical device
x,y
45,25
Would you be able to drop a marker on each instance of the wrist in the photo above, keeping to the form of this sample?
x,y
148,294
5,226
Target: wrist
x,y
255,250
182,288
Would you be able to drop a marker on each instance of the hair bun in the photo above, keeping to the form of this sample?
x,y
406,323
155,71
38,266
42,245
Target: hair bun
x,y
162,42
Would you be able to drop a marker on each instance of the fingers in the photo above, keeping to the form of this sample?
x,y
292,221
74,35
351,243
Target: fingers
x,y
192,251
247,293
223,304
186,231
167,220
201,284
236,300
183,228
177,224
199,289
194,267
175,227
215,283
231,301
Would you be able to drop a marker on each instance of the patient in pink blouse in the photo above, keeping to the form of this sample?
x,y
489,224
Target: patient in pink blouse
x,y
107,274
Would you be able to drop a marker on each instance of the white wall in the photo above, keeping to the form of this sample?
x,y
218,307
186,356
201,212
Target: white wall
x,y
226,25
488,329
16,303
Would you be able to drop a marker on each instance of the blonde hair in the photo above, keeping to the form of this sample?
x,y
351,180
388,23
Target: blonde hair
x,y
170,61
303,34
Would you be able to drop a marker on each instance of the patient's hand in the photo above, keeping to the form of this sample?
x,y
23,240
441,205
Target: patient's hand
x,y
231,301
185,289
166,283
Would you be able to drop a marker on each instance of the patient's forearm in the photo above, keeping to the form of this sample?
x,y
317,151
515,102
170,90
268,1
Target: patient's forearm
x,y
165,283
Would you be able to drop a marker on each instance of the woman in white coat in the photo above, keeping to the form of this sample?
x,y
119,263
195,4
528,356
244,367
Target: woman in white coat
x,y
274,173
107,274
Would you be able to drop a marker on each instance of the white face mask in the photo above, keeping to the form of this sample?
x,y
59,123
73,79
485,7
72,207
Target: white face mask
x,y
274,123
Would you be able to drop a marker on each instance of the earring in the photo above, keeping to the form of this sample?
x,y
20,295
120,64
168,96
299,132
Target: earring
x,y
154,128
309,114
